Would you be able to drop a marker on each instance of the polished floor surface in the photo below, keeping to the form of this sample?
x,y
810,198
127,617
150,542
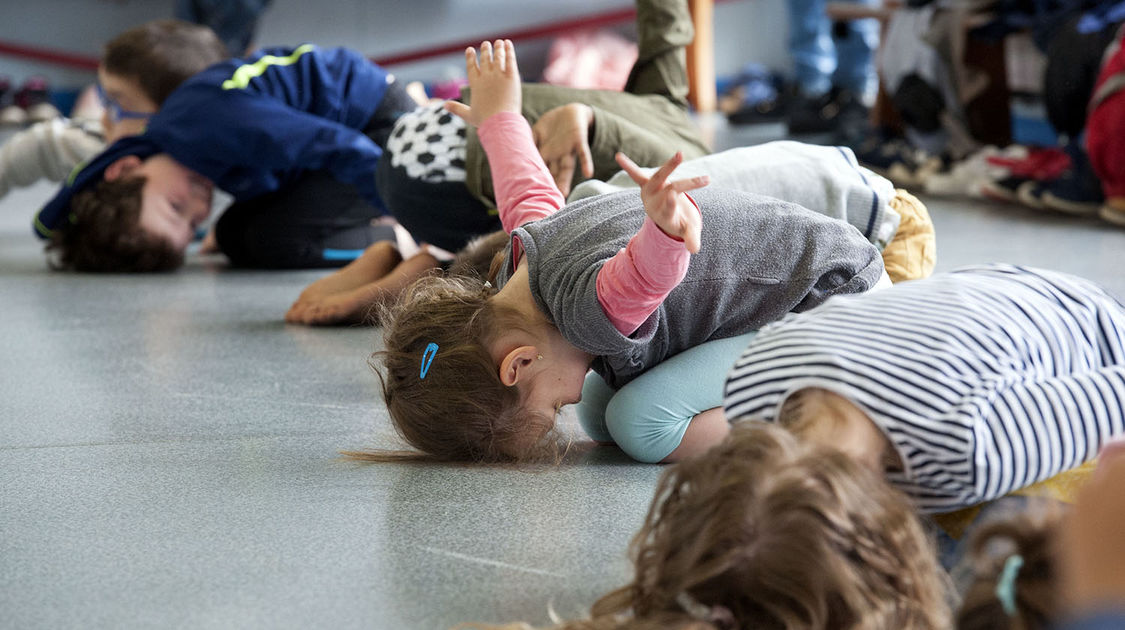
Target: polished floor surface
x,y
169,454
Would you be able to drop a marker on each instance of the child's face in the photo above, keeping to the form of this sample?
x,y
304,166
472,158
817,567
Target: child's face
x,y
174,201
125,95
558,383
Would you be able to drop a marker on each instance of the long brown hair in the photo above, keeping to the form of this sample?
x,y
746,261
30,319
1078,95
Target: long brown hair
x,y
765,531
460,411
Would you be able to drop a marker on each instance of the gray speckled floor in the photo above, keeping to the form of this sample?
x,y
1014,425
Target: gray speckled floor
x,y
168,455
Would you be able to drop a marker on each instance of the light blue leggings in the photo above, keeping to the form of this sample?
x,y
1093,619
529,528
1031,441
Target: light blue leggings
x,y
647,418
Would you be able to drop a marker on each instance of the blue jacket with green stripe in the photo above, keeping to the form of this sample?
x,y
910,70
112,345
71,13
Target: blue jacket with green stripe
x,y
253,125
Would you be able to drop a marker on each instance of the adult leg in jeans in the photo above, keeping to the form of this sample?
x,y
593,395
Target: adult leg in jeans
x,y
664,29
833,68
811,47
856,42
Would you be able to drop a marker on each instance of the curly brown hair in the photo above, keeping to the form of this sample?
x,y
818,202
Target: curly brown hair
x,y
104,234
161,54
460,411
767,531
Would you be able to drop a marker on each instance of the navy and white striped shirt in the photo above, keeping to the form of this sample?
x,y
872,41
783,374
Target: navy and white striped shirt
x,y
985,380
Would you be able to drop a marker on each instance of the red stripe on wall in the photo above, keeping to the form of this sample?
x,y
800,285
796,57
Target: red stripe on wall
x,y
84,62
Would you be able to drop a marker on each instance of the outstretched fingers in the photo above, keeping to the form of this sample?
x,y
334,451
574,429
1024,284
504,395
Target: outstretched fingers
x,y
657,180
472,63
691,183
661,175
499,56
510,57
630,167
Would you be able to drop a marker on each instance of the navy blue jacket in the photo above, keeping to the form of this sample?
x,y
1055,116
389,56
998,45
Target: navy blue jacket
x,y
252,126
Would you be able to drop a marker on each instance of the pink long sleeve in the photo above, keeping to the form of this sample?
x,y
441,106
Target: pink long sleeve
x,y
525,190
633,283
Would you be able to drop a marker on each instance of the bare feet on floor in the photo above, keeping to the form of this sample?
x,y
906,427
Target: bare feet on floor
x,y
337,297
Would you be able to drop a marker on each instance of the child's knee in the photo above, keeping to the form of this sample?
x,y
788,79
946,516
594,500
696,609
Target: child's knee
x,y
643,428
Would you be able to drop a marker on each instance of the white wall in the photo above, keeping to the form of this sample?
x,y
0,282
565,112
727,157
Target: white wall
x,y
745,30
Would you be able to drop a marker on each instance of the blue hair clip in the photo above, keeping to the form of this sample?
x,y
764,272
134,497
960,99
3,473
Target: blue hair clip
x,y
428,358
1006,584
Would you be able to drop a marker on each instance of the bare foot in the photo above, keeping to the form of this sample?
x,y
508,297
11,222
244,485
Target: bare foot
x,y
354,304
350,307
377,261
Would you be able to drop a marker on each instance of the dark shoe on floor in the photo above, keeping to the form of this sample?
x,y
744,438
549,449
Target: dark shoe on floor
x,y
763,111
895,158
1005,188
755,95
1030,194
1077,191
826,112
1071,201
1112,214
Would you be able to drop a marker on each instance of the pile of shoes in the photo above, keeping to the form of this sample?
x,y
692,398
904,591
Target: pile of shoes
x,y
1050,179
896,159
971,176
757,95
27,104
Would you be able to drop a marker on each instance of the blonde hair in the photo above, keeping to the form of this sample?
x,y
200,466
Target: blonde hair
x,y
1033,585
766,531
460,411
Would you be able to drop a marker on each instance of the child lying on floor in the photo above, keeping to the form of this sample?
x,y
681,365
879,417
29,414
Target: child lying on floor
x,y
447,199
475,373
291,133
824,179
139,69
964,386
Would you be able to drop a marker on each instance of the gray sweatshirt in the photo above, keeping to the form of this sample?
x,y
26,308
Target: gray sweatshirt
x,y
760,259
826,179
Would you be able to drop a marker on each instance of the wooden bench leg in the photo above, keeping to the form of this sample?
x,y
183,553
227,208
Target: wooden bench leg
x,y
701,57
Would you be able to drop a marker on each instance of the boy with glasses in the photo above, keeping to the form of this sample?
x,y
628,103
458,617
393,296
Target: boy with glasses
x,y
139,69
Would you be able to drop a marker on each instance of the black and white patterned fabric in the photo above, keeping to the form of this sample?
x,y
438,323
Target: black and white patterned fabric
x,y
429,144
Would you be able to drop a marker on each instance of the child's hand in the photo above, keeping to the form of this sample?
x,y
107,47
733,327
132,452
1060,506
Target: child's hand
x,y
1092,546
665,202
563,137
494,80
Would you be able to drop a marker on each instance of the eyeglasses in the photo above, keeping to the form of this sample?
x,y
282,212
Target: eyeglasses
x,y
116,112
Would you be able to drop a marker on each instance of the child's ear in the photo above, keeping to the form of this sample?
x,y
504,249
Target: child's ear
x,y
121,167
515,365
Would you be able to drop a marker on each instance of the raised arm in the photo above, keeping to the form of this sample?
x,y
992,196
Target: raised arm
x,y
525,190
633,283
